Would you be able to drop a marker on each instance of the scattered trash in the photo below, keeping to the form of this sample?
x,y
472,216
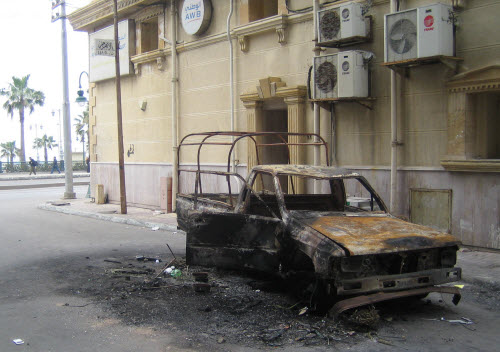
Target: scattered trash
x,y
459,286
18,341
158,212
112,260
156,228
142,258
463,320
385,342
221,340
364,316
201,287
59,203
201,276
168,270
176,273
303,311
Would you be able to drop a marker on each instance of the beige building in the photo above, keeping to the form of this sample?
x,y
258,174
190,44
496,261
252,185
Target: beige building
x,y
445,110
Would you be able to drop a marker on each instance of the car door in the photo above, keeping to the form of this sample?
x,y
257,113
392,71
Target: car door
x,y
244,238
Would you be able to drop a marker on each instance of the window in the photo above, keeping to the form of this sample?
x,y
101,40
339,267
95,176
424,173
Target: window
x,y
257,9
474,121
485,124
149,24
148,35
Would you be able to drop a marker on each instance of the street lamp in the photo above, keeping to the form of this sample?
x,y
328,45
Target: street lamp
x,y
68,160
36,139
80,99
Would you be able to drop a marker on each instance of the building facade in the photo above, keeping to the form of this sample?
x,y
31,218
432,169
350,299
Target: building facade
x,y
446,110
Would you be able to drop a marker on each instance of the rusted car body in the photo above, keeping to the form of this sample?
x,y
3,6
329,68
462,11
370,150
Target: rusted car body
x,y
310,220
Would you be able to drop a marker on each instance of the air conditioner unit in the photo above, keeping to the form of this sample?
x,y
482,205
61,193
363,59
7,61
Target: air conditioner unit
x,y
341,23
341,75
417,33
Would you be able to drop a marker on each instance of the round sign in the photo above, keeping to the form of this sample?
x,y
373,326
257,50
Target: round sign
x,y
196,16
428,21
345,65
345,13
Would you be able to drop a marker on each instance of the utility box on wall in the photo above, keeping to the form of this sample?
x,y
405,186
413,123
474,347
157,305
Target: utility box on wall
x,y
431,207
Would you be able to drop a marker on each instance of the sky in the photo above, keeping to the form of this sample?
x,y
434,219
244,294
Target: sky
x,y
32,45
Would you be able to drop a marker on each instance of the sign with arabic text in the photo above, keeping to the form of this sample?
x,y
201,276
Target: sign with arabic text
x,y
196,16
104,47
102,51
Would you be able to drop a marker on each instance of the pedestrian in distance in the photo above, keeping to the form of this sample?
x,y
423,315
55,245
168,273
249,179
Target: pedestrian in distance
x,y
33,164
87,160
55,166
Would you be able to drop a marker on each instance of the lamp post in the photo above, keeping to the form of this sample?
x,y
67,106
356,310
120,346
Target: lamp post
x,y
68,160
36,140
80,99
61,154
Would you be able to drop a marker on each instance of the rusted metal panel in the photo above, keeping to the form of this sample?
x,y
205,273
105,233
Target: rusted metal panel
x,y
362,235
358,301
398,282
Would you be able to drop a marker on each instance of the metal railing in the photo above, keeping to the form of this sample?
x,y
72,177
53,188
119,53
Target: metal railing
x,y
18,166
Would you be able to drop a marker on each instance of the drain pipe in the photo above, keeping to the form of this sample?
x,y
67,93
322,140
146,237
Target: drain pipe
x,y
316,122
394,132
175,172
231,79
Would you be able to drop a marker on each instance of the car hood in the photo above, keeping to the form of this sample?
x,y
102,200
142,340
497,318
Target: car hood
x,y
362,235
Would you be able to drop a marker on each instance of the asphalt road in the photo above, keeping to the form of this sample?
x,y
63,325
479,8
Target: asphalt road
x,y
30,306
33,307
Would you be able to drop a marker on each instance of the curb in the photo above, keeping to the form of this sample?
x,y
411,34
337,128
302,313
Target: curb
x,y
43,185
39,177
116,219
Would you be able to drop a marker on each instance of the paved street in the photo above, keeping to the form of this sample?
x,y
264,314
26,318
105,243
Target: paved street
x,y
31,307
45,254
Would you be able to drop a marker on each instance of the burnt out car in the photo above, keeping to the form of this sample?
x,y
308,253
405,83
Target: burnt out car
x,y
320,222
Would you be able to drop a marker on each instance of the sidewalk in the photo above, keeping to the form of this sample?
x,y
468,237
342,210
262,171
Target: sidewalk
x,y
479,267
153,219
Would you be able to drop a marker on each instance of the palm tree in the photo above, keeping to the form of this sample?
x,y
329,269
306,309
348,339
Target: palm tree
x,y
9,151
44,142
20,97
82,128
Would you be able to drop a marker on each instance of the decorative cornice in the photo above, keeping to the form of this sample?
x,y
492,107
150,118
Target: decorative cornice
x,y
276,23
472,165
100,13
292,92
158,55
149,12
482,79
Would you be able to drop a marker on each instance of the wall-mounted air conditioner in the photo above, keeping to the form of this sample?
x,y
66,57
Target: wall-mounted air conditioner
x,y
417,33
341,24
341,75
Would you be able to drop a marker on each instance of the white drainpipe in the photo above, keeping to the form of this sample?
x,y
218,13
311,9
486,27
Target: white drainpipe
x,y
394,132
316,123
175,181
231,78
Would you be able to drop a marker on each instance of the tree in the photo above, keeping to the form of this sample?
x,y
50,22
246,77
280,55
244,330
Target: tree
x,y
21,98
44,142
82,128
9,151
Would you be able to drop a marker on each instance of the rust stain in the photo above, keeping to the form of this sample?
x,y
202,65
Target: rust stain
x,y
362,235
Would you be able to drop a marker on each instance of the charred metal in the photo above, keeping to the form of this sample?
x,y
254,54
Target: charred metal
x,y
342,237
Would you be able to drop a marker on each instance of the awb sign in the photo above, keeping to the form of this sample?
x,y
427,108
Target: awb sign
x,y
104,47
196,16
